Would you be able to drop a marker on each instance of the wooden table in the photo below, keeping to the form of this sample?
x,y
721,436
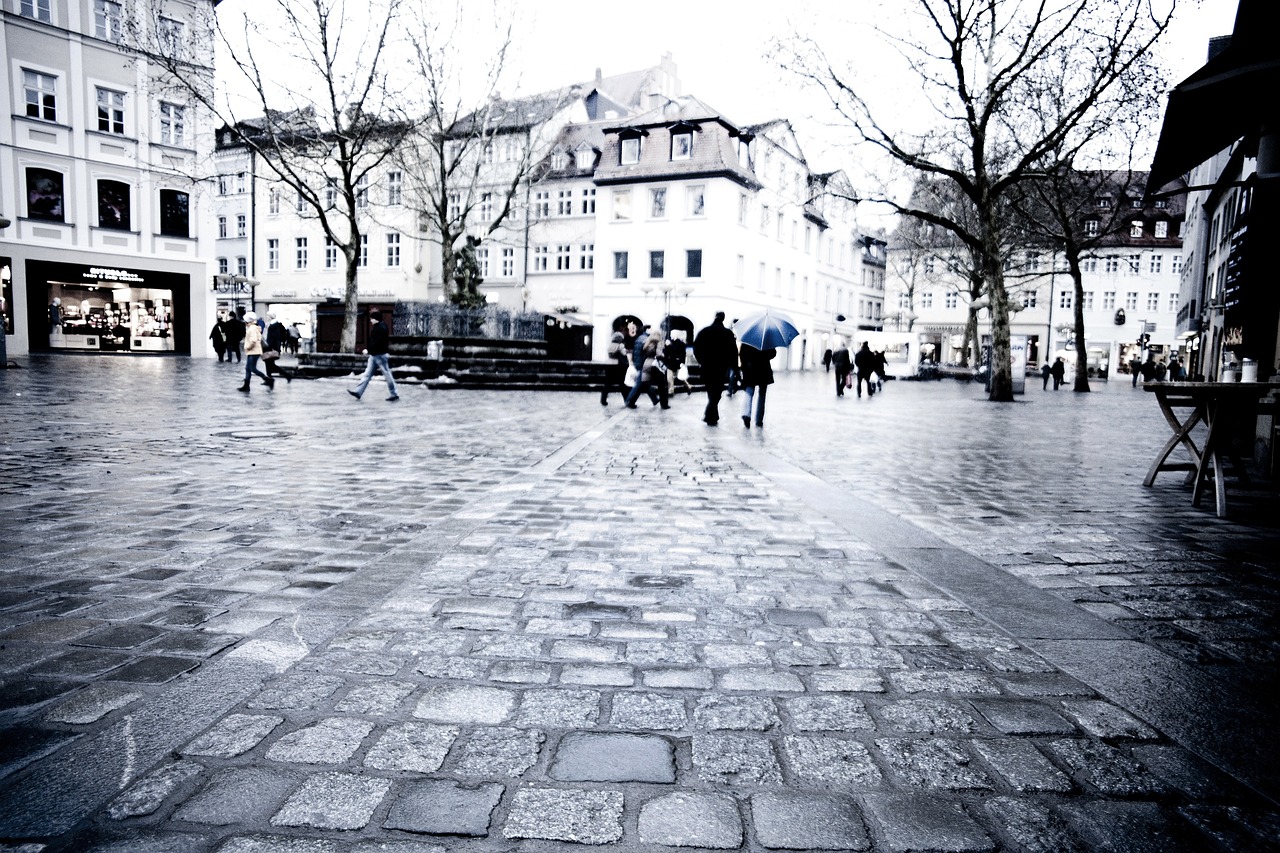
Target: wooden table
x,y
1218,405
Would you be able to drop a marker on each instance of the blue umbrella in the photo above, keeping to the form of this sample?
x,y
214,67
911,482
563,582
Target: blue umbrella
x,y
766,330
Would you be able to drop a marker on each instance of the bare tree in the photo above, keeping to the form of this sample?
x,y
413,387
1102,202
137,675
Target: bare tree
x,y
321,105
982,65
476,153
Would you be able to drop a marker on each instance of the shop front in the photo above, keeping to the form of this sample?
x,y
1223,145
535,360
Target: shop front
x,y
106,309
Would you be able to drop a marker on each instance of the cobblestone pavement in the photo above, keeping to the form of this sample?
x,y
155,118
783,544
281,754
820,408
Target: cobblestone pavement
x,y
483,621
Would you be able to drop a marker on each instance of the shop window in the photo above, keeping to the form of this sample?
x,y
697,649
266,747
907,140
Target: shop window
x,y
44,195
175,218
113,205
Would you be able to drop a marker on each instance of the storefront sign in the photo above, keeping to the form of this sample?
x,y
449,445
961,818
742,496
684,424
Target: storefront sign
x,y
108,274
232,285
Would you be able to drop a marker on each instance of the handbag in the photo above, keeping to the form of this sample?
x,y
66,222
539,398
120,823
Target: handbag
x,y
270,355
848,380
632,375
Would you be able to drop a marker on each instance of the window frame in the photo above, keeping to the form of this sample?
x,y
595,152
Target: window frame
x,y
696,194
110,110
173,124
177,206
693,263
621,265
630,149
36,10
125,197
393,249
681,145
41,103
301,253
657,264
108,26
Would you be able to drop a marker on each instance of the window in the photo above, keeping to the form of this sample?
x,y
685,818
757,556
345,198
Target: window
x,y
1113,264
1162,230
273,254
926,299
1066,299
508,262
362,193
1088,300
589,200
1175,265
658,202
173,129
541,258
760,278
740,272
619,264
682,145
1131,300
764,218
1091,227
173,36
1104,202
1029,298
273,202
587,256
240,182
175,207
330,253
586,158
629,150
1108,300
1135,204
621,204
697,200
542,204
1161,204
1173,303
300,253
242,265
953,299
657,264
113,205
222,227
224,184
106,20
393,249
1135,228
454,209
41,91
743,205
1156,262
395,188
1089,264
300,203
777,281
1153,302
693,263
1135,263
241,224
778,233
930,264
362,256
1032,262
482,261
808,238
330,193
562,256
37,9
111,114
564,203
486,207
223,266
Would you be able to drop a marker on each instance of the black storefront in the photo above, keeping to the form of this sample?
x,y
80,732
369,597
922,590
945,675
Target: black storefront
x,y
100,308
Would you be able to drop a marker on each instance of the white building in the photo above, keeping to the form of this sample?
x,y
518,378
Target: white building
x,y
100,169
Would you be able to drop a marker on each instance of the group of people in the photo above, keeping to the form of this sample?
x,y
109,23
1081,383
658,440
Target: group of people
x,y
261,339
644,361
864,367
1056,371
1157,371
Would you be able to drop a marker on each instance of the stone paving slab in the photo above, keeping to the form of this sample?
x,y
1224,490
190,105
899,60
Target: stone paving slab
x,y
618,629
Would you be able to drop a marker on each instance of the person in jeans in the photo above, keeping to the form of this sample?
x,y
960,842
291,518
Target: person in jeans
x,y
376,348
253,352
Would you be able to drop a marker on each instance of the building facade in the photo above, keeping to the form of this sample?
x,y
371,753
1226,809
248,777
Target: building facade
x,y
101,177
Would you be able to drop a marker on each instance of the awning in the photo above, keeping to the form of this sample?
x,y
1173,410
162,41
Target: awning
x,y
1233,96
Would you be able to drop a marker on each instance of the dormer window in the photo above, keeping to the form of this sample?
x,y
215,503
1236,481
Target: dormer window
x,y
629,150
586,158
1104,202
682,145
1091,227
559,160
1135,228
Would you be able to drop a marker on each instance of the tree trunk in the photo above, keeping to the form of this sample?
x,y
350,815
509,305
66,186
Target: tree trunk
x,y
350,300
1082,352
1001,355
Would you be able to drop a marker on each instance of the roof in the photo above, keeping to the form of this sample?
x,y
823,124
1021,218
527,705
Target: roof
x,y
1229,98
501,114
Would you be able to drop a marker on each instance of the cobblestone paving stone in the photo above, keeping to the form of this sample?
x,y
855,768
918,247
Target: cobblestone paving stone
x,y
500,622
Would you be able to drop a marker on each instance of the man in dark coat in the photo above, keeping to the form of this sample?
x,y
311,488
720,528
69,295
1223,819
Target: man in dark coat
x,y
377,346
277,341
716,349
234,330
865,364
840,360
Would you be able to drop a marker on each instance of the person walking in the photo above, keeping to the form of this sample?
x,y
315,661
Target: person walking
x,y
653,374
674,352
615,375
253,352
377,347
277,342
716,350
1177,371
829,354
234,330
1045,372
1059,372
757,376
1135,368
219,338
864,364
295,338
842,363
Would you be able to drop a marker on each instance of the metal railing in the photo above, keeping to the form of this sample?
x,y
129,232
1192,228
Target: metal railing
x,y
437,320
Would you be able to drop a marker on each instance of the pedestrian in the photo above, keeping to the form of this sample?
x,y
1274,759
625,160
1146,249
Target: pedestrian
x,y
253,352
653,374
277,342
829,355
1045,372
716,350
674,353
1059,372
1135,367
616,373
1148,369
864,363
881,369
377,347
295,338
842,363
1161,370
234,330
219,338
1177,372
757,376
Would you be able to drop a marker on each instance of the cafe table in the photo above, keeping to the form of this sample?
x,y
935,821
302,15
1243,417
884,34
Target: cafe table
x,y
1216,405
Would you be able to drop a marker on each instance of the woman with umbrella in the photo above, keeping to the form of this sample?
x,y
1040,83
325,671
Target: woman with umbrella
x,y
760,334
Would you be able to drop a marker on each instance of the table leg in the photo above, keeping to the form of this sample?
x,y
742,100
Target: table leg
x,y
1181,435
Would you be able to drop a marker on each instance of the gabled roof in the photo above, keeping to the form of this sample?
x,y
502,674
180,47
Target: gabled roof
x,y
572,139
503,115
